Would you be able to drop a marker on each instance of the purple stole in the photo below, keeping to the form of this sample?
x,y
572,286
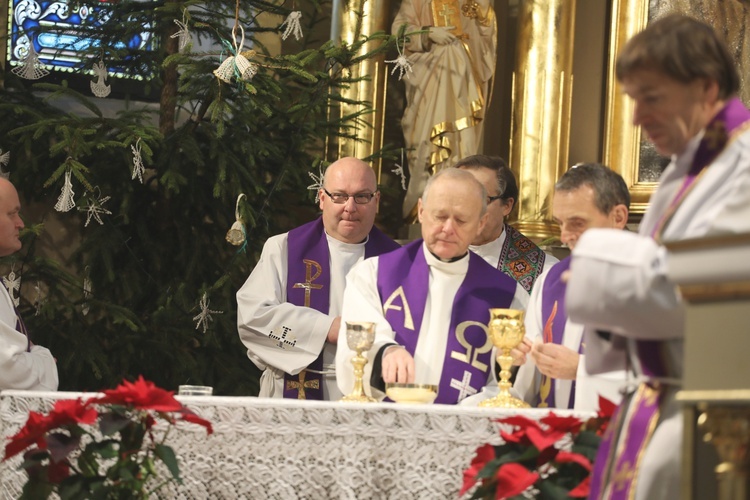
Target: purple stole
x,y
403,283
620,480
308,284
521,258
555,317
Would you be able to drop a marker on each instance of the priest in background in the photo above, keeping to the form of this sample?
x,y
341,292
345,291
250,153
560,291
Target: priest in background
x,y
499,243
23,365
683,82
554,375
288,309
430,300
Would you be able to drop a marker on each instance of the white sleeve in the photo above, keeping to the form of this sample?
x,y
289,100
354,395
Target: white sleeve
x,y
618,283
520,298
262,311
590,386
20,369
528,377
361,303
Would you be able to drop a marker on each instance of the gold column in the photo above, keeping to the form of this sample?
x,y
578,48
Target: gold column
x,y
542,90
622,139
360,18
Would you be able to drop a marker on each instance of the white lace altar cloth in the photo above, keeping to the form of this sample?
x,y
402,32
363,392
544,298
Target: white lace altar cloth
x,y
287,449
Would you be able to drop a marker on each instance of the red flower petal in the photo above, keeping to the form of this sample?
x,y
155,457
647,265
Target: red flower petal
x,y
33,431
513,479
191,417
485,453
564,424
606,408
577,458
142,395
544,439
582,490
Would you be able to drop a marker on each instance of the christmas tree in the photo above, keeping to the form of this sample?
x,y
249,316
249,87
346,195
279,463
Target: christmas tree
x,y
147,193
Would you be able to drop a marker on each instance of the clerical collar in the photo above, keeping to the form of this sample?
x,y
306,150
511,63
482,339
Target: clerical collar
x,y
448,261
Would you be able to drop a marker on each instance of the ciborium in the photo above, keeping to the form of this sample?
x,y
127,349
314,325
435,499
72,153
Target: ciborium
x,y
359,338
506,331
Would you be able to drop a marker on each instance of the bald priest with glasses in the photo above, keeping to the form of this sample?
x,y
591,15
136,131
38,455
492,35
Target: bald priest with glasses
x,y
288,310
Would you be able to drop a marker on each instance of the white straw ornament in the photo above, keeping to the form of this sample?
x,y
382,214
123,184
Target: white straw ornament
x,y
293,26
30,68
99,88
65,201
401,63
183,34
236,234
138,167
236,66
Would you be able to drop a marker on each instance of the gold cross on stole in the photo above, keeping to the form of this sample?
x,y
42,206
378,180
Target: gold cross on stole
x,y
302,385
623,475
309,278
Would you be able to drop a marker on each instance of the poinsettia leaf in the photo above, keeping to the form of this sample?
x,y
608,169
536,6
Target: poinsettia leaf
x,y
166,454
72,487
61,445
35,490
112,422
489,469
108,448
551,491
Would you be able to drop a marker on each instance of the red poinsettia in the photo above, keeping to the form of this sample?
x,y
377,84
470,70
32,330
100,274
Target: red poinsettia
x,y
126,441
548,455
141,395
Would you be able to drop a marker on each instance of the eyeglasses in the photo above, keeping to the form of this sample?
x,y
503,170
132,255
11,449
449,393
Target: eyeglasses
x,y
490,199
341,198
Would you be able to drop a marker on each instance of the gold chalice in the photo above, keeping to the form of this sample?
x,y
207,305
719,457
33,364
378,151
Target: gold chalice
x,y
506,331
359,338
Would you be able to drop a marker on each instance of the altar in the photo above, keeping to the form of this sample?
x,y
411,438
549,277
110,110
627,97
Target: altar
x,y
288,449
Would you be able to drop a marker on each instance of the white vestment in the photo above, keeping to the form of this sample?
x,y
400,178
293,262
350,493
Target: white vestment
x,y
588,386
627,273
446,92
262,311
362,303
20,369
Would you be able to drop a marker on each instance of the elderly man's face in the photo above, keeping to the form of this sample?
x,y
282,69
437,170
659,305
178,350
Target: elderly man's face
x,y
497,209
669,112
450,216
349,222
10,220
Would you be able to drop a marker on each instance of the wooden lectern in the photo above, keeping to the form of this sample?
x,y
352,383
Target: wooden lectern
x,y
713,275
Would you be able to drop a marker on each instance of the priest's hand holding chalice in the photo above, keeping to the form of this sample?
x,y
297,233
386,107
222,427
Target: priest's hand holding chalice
x,y
506,331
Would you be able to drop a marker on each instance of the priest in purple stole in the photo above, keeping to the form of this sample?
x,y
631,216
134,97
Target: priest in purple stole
x,y
554,376
430,299
683,82
500,244
289,308
23,365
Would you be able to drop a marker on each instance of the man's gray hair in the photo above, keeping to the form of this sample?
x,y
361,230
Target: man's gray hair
x,y
609,187
456,175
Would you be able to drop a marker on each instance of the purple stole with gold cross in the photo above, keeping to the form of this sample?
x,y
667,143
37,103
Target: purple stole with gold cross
x,y
521,258
555,318
308,284
616,467
403,284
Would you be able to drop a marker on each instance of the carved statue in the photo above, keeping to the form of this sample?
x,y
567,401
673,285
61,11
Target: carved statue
x,y
446,94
